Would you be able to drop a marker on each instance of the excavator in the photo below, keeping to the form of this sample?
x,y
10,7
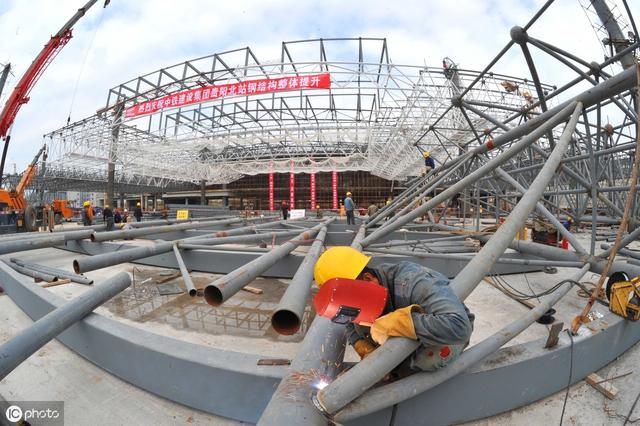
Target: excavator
x,y
13,201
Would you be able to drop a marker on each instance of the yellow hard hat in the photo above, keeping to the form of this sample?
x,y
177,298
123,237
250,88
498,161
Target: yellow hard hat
x,y
348,194
426,154
138,204
339,262
86,203
317,206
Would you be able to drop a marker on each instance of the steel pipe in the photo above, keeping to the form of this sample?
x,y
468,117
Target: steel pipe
x,y
42,242
504,260
135,233
22,346
471,177
220,290
53,271
369,371
188,283
622,251
287,317
316,363
36,275
401,390
91,263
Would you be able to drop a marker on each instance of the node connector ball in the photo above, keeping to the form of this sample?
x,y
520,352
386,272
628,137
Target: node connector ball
x,y
431,128
456,102
595,68
519,35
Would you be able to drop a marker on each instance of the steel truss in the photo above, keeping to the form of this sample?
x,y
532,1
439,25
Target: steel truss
x,y
369,120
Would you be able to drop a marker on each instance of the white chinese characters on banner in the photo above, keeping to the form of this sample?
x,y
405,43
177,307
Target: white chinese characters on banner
x,y
244,88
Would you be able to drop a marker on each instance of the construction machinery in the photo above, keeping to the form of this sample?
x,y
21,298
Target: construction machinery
x,y
62,211
624,295
15,205
20,94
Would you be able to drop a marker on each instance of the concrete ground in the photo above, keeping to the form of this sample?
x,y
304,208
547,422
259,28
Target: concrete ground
x,y
93,396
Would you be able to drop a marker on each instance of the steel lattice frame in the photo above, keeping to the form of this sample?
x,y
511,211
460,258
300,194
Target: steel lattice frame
x,y
369,120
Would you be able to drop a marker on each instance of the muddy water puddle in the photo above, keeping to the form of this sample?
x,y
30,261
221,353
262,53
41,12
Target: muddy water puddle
x,y
245,314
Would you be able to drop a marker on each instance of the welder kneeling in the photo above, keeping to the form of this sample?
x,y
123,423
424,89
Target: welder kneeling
x,y
418,303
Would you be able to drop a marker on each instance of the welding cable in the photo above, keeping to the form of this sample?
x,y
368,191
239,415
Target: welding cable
x,y
566,395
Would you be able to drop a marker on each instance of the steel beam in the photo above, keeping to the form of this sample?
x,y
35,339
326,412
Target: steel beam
x,y
22,346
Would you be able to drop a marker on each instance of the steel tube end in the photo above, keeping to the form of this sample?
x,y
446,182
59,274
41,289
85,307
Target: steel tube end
x,y
213,295
285,322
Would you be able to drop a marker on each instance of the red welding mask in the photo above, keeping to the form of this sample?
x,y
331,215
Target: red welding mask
x,y
343,301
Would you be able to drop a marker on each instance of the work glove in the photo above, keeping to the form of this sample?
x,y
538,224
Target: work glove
x,y
395,324
363,347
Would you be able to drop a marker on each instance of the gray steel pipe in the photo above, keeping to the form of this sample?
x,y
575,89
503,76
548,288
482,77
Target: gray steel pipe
x,y
316,363
401,390
471,178
624,252
22,346
286,318
543,210
135,233
357,239
98,261
191,289
42,242
626,240
369,371
503,260
53,271
36,275
464,283
220,290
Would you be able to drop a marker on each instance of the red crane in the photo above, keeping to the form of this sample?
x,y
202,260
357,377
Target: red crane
x,y
20,94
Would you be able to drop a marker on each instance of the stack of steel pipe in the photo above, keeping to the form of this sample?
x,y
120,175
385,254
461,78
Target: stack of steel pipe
x,y
224,287
91,263
59,273
373,368
22,346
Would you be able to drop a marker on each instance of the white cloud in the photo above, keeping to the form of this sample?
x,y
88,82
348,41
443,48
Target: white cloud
x,y
138,37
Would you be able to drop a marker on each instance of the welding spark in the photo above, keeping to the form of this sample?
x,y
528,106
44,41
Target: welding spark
x,y
320,384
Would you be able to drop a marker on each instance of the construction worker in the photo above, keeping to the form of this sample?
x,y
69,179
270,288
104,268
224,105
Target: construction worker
x,y
372,209
318,212
107,216
285,210
420,306
87,213
137,213
117,217
349,207
429,164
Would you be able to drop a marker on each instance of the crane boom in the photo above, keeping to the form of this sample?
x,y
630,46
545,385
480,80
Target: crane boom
x,y
20,94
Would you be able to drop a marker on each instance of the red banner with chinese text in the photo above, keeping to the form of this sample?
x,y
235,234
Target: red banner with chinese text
x,y
271,190
312,189
243,88
334,189
292,191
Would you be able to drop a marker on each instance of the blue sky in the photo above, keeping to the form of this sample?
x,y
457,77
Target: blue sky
x,y
131,38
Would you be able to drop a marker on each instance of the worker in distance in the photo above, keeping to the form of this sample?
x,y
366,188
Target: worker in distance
x,y
418,304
